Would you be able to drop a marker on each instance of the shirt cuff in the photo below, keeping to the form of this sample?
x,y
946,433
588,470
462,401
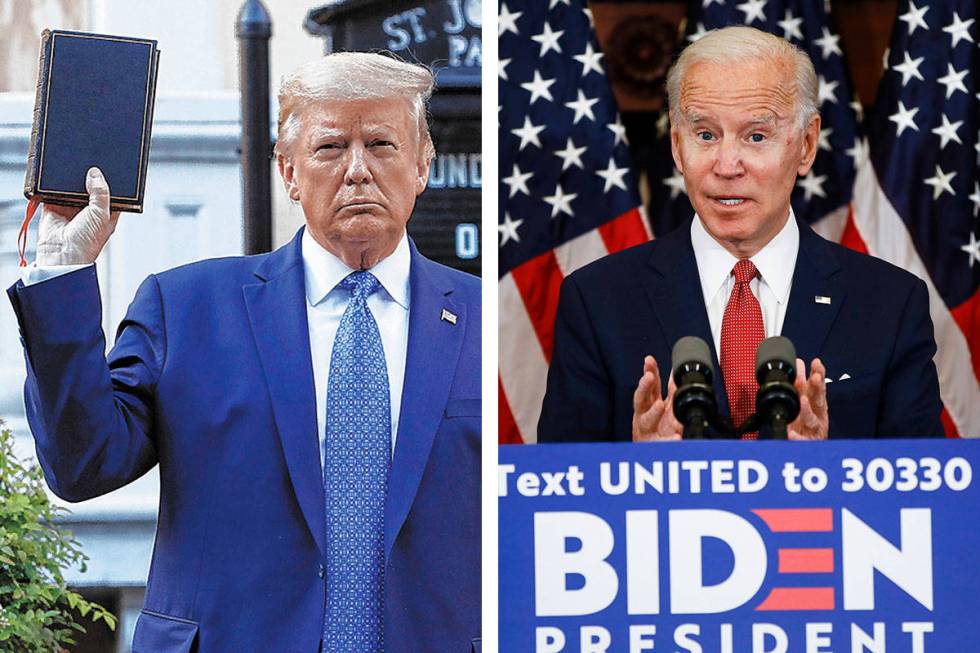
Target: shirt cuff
x,y
35,273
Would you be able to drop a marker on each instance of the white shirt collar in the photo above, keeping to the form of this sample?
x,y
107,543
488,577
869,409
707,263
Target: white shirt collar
x,y
323,271
775,261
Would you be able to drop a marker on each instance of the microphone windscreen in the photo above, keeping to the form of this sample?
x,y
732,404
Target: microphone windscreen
x,y
775,348
690,349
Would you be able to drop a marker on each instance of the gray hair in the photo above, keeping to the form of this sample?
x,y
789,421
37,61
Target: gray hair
x,y
742,45
354,76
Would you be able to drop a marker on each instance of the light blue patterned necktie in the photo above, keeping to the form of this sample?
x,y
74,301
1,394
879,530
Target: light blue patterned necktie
x,y
356,463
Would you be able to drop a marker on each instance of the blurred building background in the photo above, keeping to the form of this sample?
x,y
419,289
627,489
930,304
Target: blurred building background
x,y
194,190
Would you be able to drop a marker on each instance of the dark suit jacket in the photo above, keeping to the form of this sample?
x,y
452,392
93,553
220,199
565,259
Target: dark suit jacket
x,y
640,301
211,377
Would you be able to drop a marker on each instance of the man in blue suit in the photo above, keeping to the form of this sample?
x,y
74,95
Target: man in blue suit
x,y
744,125
315,411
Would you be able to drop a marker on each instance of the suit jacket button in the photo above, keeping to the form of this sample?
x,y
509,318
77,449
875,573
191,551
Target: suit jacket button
x,y
321,572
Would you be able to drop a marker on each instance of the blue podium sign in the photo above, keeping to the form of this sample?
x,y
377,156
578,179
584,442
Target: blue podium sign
x,y
735,547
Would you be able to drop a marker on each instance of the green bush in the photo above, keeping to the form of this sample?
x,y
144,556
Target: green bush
x,y
38,613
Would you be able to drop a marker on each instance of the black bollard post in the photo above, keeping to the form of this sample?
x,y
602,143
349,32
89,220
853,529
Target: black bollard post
x,y
253,29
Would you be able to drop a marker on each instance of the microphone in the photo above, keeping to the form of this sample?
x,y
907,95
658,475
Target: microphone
x,y
694,400
777,403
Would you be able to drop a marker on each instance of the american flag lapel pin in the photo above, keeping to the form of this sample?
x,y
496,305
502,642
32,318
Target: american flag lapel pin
x,y
448,317
820,299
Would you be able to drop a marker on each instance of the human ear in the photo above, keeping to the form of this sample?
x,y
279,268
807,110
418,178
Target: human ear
x,y
422,178
675,149
808,146
288,173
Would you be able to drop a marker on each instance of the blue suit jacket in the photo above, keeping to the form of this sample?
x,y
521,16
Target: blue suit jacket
x,y
642,300
211,377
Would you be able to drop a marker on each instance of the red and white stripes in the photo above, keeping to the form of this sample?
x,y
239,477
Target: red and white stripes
x,y
528,300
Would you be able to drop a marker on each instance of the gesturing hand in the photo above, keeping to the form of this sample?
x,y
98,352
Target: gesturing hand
x,y
72,236
813,421
653,416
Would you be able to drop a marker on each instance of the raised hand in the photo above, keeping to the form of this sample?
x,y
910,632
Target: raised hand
x,y
813,421
653,416
73,236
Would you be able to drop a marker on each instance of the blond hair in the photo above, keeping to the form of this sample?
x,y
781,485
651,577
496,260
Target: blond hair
x,y
354,76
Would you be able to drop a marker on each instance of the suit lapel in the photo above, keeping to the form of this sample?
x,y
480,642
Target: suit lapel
x,y
675,291
433,349
808,320
678,301
276,308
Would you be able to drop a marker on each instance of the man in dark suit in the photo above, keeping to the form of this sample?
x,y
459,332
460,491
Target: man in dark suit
x,y
315,411
744,124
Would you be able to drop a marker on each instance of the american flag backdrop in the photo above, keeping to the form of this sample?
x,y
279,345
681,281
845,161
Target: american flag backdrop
x,y
917,197
567,193
914,201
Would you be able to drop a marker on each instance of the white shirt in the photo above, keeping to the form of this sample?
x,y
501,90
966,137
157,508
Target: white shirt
x,y
34,273
775,263
325,305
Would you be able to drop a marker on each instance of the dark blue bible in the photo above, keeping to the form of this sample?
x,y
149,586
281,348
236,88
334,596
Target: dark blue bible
x,y
94,107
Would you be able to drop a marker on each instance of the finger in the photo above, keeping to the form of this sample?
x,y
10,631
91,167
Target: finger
x,y
644,398
817,390
641,396
817,371
98,193
648,405
650,365
649,421
807,416
818,400
818,366
672,423
800,376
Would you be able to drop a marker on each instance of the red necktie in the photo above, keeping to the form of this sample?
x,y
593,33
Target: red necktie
x,y
741,333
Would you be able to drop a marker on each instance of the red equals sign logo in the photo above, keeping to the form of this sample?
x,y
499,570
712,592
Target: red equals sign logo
x,y
800,560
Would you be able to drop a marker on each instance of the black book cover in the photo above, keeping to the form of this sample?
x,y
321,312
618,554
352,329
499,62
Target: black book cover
x,y
93,107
